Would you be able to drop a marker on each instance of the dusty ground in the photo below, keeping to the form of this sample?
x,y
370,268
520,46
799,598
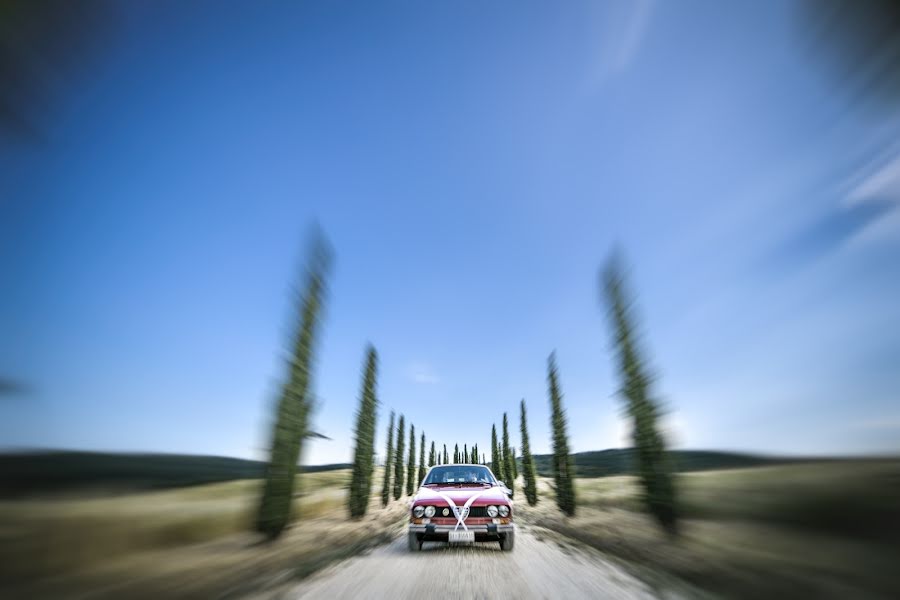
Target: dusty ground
x,y
540,566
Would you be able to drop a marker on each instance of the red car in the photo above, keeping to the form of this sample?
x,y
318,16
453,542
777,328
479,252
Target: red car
x,y
461,504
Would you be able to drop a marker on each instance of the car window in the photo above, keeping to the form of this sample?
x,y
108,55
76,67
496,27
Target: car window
x,y
459,474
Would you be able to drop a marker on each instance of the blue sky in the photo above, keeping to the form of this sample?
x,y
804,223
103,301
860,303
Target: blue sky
x,y
473,165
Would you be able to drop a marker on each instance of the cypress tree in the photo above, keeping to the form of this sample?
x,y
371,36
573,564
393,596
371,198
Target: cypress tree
x,y
465,453
364,456
411,465
388,462
515,465
563,465
528,470
654,467
456,453
446,456
398,461
295,402
495,454
431,455
421,474
507,457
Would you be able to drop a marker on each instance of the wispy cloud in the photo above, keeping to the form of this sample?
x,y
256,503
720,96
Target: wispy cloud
x,y
423,373
884,423
620,30
878,185
877,182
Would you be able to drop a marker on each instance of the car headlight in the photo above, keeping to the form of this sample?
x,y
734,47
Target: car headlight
x,y
492,511
418,511
446,512
429,511
504,510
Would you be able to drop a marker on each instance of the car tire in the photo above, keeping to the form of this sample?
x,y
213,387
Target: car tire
x,y
508,541
413,542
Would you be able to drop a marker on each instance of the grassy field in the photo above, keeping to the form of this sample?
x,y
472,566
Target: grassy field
x,y
186,542
829,530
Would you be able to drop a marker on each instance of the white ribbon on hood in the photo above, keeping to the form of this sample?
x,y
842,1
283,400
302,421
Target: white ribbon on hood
x,y
460,513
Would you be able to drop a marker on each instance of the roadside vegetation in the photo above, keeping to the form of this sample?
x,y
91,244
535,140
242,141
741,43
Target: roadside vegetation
x,y
187,542
563,467
296,400
814,530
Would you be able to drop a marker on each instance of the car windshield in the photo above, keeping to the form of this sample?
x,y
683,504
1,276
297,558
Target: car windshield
x,y
459,474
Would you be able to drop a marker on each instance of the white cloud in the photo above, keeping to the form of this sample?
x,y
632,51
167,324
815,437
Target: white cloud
x,y
423,373
877,182
620,31
885,423
881,183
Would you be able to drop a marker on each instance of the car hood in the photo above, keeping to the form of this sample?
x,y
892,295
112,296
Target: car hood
x,y
461,495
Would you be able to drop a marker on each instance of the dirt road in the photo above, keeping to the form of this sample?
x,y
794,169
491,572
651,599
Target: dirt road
x,y
538,568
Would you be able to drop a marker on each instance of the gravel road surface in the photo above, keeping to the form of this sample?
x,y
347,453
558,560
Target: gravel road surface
x,y
536,568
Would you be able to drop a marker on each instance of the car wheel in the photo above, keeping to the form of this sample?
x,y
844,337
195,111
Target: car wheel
x,y
507,541
413,542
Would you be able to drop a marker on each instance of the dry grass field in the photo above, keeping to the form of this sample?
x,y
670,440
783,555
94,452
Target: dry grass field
x,y
824,530
186,542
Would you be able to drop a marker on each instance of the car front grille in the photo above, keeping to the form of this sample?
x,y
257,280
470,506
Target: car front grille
x,y
475,512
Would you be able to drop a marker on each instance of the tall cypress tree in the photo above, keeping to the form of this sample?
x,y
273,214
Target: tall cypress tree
x,y
411,465
388,462
515,464
465,453
528,470
563,465
654,466
421,474
431,455
446,456
495,455
364,456
456,453
507,457
398,461
295,402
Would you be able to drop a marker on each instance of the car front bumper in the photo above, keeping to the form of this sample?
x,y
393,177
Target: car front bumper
x,y
431,532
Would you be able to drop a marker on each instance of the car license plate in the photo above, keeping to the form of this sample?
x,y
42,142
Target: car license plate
x,y
459,537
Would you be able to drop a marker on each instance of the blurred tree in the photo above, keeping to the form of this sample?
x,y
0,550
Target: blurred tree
x,y
295,404
655,470
411,464
432,457
514,463
364,455
46,47
508,469
859,42
421,474
563,465
495,454
528,471
446,456
465,454
388,462
398,461
456,453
